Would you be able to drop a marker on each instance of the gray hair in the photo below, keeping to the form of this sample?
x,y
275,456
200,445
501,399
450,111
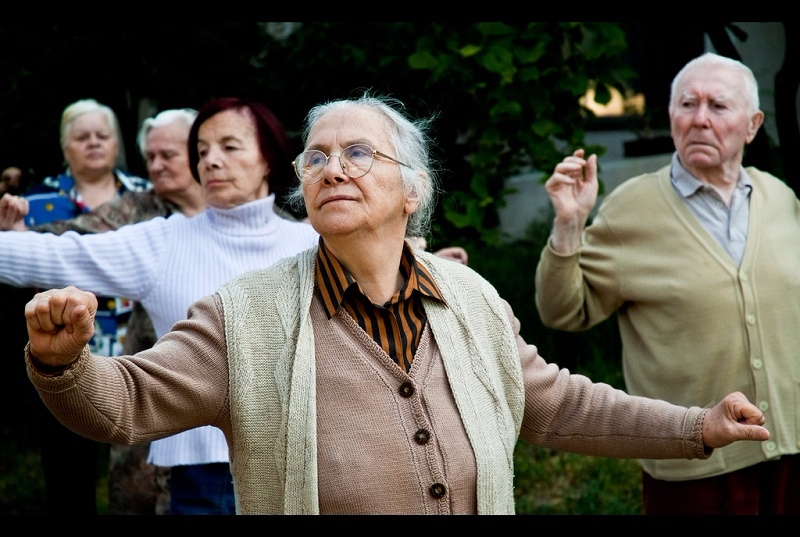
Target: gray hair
x,y
84,106
184,116
709,59
411,144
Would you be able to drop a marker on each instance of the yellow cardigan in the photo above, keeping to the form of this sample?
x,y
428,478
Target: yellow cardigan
x,y
694,326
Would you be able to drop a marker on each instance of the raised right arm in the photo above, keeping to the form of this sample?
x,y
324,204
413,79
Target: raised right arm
x,y
573,293
129,208
115,263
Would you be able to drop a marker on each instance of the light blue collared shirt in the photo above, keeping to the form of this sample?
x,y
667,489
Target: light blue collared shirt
x,y
726,224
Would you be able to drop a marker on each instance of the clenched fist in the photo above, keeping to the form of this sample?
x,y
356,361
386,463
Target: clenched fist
x,y
60,324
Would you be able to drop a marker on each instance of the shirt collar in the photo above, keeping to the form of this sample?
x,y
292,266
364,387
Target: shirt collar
x,y
686,184
334,281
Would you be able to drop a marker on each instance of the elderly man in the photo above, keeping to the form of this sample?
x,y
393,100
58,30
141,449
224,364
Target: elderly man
x,y
361,375
700,260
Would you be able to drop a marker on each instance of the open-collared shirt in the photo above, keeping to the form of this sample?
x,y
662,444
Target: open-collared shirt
x,y
727,224
396,325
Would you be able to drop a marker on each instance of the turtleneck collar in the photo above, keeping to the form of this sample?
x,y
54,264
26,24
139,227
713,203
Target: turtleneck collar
x,y
252,218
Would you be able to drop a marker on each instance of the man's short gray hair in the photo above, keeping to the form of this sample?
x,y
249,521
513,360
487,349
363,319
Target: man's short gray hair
x,y
411,144
183,116
709,59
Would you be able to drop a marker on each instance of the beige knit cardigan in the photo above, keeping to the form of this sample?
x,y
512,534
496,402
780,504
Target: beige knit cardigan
x,y
272,382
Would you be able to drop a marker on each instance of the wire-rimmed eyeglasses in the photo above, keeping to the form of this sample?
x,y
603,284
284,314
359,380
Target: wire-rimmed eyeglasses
x,y
356,161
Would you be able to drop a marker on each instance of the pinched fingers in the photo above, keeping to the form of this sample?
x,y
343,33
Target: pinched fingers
x,y
565,175
574,168
13,210
742,410
572,174
16,205
734,418
571,166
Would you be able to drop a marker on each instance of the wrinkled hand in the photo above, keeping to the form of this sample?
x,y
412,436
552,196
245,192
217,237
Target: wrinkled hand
x,y
453,253
60,324
573,186
573,191
12,212
734,418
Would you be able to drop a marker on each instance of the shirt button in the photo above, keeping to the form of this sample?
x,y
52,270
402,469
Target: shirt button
x,y
438,490
743,276
751,319
757,363
769,445
406,389
763,405
422,437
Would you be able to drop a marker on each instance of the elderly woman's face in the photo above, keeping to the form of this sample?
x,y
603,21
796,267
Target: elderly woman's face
x,y
91,145
232,169
374,205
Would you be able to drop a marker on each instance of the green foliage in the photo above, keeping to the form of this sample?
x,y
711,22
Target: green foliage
x,y
505,94
551,482
513,91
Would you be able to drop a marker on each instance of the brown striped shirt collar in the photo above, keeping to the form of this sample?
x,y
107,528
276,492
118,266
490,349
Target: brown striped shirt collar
x,y
333,280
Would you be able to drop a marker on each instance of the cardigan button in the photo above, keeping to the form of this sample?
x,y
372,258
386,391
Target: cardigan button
x,y
422,437
438,490
406,389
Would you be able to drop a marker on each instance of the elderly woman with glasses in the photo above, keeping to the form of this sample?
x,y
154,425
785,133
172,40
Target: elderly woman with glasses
x,y
361,375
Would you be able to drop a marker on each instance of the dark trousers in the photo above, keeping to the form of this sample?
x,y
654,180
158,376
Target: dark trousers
x,y
768,488
201,489
69,463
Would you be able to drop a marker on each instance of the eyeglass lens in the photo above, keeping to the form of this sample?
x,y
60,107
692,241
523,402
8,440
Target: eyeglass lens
x,y
356,160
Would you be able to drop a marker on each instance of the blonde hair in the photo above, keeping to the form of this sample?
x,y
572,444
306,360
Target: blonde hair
x,y
84,106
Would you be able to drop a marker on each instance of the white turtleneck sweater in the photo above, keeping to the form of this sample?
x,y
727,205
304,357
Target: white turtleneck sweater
x,y
167,265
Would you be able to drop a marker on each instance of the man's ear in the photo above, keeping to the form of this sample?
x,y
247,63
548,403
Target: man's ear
x,y
755,123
